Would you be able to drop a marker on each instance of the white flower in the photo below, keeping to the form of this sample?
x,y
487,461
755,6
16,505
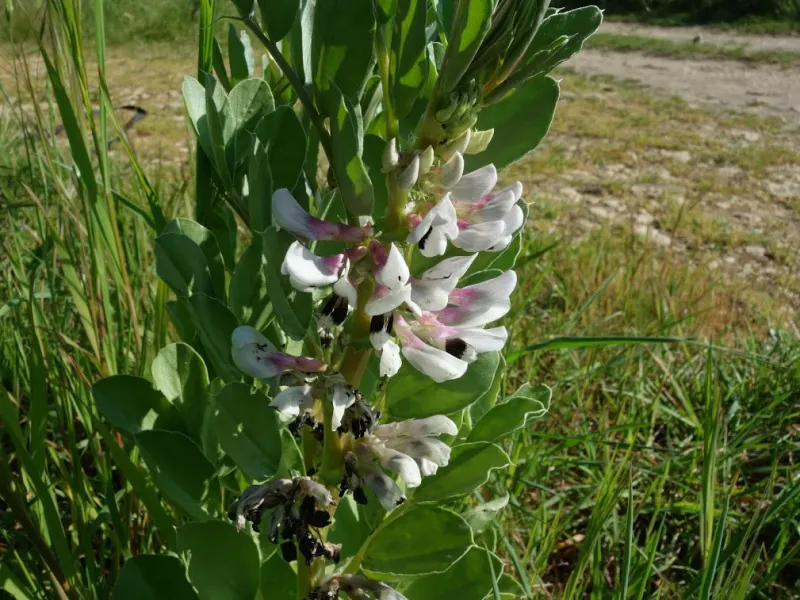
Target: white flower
x,y
470,214
255,356
289,215
432,289
307,271
391,277
435,228
447,330
409,449
342,397
293,400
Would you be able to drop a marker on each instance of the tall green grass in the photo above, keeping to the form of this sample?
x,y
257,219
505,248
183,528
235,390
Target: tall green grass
x,y
661,471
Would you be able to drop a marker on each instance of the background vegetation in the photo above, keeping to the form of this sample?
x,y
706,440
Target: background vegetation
x,y
663,470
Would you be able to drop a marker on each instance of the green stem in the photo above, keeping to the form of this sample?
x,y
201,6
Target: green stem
x,y
396,210
299,87
382,41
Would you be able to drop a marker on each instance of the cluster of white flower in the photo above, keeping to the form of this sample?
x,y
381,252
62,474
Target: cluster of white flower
x,y
438,326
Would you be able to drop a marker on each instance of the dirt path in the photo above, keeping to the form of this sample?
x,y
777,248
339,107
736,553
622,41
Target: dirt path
x,y
708,36
761,88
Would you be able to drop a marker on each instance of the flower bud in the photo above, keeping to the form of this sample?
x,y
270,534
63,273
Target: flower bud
x,y
390,155
426,160
479,141
408,177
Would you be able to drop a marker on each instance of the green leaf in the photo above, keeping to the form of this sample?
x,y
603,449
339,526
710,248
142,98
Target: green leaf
x,y
408,54
527,402
207,242
347,137
471,23
180,469
223,562
249,102
215,324
469,579
550,48
283,135
132,405
249,296
278,579
426,539
182,265
520,122
240,55
180,374
278,16
481,515
410,394
341,47
489,399
468,469
153,577
221,126
259,196
294,316
373,153
248,430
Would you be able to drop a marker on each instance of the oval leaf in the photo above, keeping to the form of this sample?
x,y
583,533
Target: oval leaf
x,y
132,405
278,17
520,121
180,374
179,467
426,539
468,469
247,429
503,419
469,579
153,577
223,562
410,394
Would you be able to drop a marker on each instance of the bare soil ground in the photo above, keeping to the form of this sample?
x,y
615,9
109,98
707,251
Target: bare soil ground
x,y
709,36
764,89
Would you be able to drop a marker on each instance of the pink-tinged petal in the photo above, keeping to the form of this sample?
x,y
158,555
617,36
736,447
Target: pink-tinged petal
x,y
289,215
496,206
431,290
474,316
385,299
487,293
475,185
293,400
255,356
306,270
514,220
479,237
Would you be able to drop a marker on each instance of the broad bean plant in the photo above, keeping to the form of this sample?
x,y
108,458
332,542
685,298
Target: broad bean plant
x,y
335,406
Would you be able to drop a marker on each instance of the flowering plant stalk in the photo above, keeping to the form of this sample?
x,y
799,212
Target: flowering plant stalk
x,y
324,426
